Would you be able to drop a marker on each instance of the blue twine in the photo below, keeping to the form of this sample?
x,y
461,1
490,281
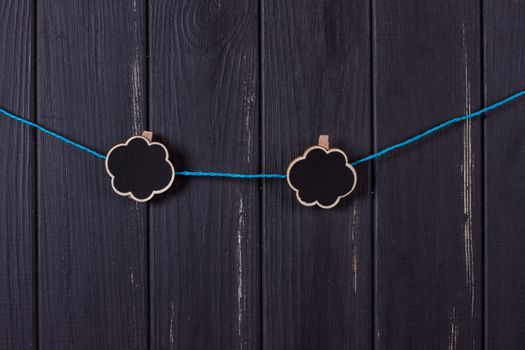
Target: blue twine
x,y
283,176
231,175
439,127
52,133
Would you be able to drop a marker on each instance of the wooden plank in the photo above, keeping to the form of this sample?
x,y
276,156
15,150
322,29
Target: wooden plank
x,y
504,21
92,243
317,270
205,234
428,207
17,190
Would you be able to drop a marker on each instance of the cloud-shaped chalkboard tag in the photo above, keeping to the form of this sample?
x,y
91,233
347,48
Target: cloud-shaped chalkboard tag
x,y
322,176
139,168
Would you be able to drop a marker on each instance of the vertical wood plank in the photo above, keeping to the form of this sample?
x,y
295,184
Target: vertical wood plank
x,y
92,243
317,270
17,159
428,197
504,23
205,233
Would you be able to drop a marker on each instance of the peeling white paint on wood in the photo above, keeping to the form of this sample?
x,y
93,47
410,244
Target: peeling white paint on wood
x,y
136,80
131,277
467,170
355,251
172,320
248,99
453,330
241,302
136,97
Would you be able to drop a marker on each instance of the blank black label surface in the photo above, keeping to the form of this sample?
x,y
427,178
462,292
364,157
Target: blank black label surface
x,y
139,169
321,177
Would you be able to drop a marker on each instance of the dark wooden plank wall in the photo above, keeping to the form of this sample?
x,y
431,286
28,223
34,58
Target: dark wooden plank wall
x,y
428,205
205,238
504,163
17,179
427,253
317,269
92,246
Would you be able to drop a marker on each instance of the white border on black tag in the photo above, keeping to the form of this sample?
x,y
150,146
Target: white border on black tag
x,y
130,194
327,151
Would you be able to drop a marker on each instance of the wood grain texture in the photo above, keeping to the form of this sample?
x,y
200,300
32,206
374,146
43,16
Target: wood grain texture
x,y
426,253
504,168
92,243
17,190
205,234
317,268
428,197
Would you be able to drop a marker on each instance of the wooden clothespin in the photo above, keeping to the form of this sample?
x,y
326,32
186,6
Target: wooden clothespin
x,y
148,135
324,141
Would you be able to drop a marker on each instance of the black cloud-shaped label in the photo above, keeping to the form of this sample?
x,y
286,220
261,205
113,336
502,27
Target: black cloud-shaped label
x,y
139,169
321,177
